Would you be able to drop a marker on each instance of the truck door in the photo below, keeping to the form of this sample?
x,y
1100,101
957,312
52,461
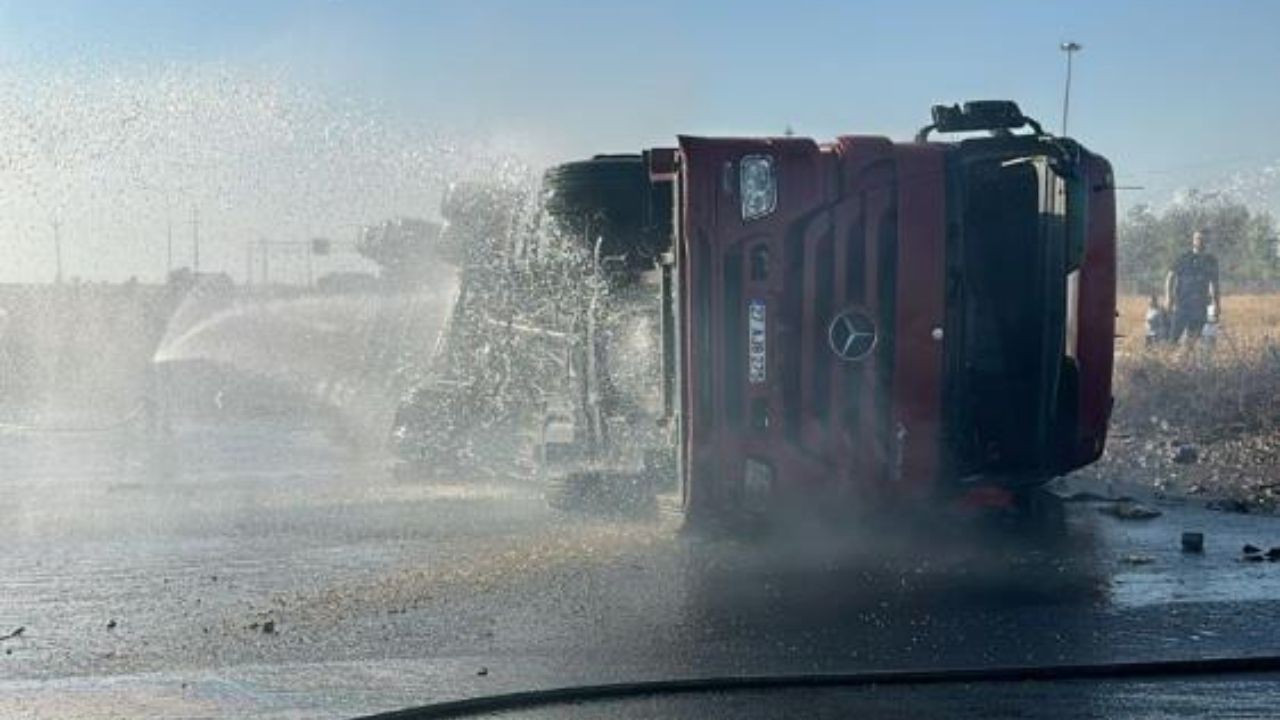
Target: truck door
x,y
1035,324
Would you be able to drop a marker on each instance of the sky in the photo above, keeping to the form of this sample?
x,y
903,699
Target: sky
x,y
284,120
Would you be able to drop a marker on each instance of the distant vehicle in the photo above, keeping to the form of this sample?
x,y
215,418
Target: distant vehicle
x,y
778,321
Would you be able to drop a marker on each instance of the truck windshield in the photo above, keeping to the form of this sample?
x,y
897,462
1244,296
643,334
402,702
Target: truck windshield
x,y
1013,267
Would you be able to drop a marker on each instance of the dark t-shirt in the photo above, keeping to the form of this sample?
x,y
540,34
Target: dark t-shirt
x,y
1194,272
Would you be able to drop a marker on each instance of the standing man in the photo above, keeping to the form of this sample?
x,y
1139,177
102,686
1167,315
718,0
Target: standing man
x,y
1191,288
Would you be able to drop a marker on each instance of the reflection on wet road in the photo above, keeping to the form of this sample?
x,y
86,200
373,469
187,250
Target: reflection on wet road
x,y
262,568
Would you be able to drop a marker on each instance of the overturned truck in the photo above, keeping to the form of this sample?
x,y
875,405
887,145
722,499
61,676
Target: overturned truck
x,y
765,323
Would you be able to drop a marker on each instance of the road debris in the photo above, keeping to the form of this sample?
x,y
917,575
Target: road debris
x,y
1193,542
482,671
1130,510
111,624
1229,462
1186,455
1085,496
1232,505
269,627
1253,553
1137,559
16,633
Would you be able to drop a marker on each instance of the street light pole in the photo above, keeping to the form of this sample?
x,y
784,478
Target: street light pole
x,y
168,242
57,248
195,241
1070,48
266,262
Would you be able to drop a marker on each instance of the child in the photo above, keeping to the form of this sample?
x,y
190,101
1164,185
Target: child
x,y
1157,323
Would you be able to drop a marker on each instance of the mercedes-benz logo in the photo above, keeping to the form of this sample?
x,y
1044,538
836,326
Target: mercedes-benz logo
x,y
852,335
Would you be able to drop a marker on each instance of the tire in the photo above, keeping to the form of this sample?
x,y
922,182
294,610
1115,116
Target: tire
x,y
1040,515
425,430
611,196
602,494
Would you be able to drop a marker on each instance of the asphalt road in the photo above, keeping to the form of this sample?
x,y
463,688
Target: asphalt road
x,y
260,569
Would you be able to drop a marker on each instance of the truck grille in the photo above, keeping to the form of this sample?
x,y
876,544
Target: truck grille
x,y
816,418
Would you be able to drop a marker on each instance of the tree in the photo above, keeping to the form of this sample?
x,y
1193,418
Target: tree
x,y
1243,241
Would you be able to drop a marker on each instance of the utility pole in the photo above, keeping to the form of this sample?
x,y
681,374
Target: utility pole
x,y
195,241
168,241
57,249
1070,48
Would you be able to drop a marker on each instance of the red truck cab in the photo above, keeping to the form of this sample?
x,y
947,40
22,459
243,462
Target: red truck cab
x,y
906,320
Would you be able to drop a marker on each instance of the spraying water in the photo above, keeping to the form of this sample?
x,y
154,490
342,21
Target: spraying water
x,y
144,169
124,158
354,353
1258,187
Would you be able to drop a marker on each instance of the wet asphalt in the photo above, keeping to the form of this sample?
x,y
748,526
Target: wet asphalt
x,y
260,568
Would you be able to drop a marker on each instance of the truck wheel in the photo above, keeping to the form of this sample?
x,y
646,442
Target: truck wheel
x,y
602,493
426,431
610,196
1040,513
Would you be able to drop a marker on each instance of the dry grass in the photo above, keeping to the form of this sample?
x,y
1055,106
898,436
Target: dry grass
x,y
1224,401
1245,318
1233,388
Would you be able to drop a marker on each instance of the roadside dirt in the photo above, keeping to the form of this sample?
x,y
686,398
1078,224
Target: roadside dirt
x,y
1230,469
